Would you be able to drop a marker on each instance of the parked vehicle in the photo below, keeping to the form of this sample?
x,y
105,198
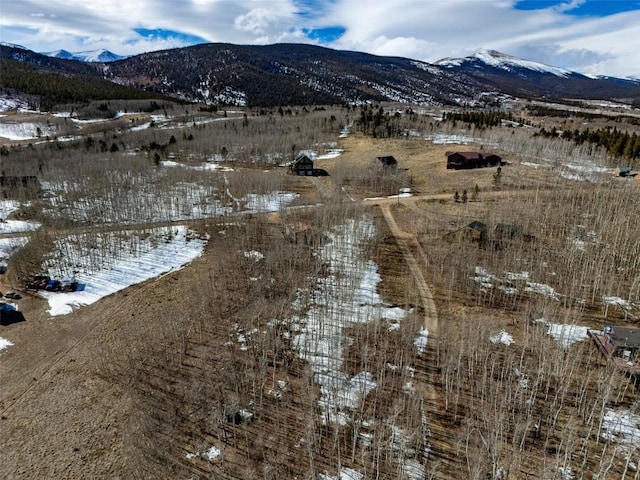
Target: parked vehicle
x,y
39,282
53,286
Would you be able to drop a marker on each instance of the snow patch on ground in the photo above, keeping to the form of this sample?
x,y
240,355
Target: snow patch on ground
x,y
4,343
13,226
211,454
345,473
541,289
254,255
8,102
523,379
622,426
446,139
165,253
331,154
487,280
502,337
8,246
203,167
420,342
7,207
565,334
346,296
25,130
268,202
580,172
617,301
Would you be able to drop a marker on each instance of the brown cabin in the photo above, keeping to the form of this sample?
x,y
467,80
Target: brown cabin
x,y
463,160
302,165
475,232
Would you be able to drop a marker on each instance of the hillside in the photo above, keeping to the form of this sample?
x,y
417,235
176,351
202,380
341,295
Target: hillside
x,y
45,82
298,74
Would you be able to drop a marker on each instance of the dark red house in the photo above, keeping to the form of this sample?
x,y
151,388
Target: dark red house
x,y
461,160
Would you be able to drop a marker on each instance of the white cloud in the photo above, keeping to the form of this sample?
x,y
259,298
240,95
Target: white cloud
x,y
259,20
423,30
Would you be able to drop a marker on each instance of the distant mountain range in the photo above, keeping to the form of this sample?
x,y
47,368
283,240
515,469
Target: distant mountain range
x,y
301,74
101,55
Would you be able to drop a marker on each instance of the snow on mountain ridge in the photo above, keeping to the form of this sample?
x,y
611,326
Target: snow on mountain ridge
x,y
503,61
13,45
506,62
100,55
64,54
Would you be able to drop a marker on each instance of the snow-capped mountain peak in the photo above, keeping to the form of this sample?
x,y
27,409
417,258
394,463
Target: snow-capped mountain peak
x,y
64,54
12,45
100,55
503,61
507,62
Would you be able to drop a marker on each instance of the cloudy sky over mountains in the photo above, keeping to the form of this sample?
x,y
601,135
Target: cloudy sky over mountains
x,y
589,36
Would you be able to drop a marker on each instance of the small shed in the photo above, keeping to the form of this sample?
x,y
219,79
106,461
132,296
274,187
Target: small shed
x,y
475,232
386,161
302,165
624,171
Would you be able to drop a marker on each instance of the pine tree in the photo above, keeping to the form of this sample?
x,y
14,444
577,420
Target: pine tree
x,y
475,194
497,177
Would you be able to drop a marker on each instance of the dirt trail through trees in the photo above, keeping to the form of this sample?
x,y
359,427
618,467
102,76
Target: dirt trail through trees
x,y
404,239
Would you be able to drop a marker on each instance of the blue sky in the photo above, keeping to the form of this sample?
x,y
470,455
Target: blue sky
x,y
589,36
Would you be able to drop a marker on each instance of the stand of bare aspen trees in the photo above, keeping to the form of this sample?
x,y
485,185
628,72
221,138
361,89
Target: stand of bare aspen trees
x,y
210,359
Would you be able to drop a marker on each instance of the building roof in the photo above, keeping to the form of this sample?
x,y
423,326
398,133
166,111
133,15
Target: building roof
x,y
626,337
477,225
387,160
472,155
467,155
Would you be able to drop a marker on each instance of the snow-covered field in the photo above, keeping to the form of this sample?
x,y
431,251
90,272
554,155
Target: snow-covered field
x,y
160,251
8,102
25,130
584,170
10,245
